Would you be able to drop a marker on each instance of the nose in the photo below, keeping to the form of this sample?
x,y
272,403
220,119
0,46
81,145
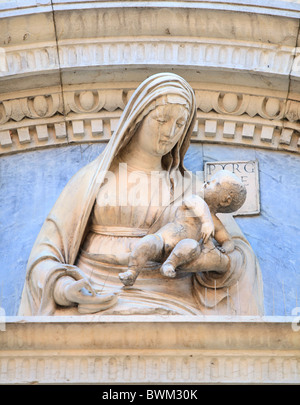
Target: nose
x,y
173,130
170,131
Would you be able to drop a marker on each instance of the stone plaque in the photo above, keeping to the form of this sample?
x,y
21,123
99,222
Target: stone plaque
x,y
247,171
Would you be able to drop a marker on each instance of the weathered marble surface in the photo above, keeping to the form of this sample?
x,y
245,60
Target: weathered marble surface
x,y
98,28
274,233
28,193
149,349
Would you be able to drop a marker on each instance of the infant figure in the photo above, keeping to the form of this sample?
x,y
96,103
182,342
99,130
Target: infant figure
x,y
192,222
224,193
177,242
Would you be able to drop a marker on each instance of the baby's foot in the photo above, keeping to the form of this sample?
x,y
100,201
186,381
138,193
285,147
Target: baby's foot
x,y
127,278
168,270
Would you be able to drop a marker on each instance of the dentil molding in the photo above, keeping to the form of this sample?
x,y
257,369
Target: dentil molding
x,y
208,53
89,113
69,83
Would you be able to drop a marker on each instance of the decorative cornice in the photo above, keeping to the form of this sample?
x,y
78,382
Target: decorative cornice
x,y
204,53
97,349
196,38
191,52
38,119
94,99
21,7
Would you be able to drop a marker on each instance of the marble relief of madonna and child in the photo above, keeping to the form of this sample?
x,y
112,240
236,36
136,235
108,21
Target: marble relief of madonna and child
x,y
164,243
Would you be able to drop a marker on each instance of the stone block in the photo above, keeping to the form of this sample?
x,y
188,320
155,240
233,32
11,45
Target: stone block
x,y
229,129
113,124
97,127
78,128
5,138
210,129
248,131
60,130
42,132
286,136
23,134
267,133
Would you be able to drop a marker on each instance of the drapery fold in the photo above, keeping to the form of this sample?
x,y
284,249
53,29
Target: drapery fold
x,y
59,240
57,246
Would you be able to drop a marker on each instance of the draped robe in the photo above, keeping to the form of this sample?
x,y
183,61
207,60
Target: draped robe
x,y
57,247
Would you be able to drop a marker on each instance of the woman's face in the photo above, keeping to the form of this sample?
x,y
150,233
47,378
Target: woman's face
x,y
161,129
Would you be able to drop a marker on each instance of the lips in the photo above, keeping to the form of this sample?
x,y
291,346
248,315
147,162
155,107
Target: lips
x,y
166,143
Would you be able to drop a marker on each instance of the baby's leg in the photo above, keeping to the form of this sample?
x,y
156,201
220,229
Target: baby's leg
x,y
150,247
185,251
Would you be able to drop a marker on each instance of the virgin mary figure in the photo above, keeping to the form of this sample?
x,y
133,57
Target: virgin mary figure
x,y
86,239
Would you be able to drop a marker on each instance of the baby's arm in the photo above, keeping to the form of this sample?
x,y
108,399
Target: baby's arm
x,y
200,209
222,236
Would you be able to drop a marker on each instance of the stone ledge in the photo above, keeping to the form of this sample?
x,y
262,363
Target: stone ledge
x,y
29,135
139,349
19,7
218,38
148,52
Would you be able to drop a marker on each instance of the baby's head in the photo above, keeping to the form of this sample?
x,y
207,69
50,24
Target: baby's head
x,y
224,192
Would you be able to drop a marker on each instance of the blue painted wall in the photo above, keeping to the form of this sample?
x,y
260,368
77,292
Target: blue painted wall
x,y
32,181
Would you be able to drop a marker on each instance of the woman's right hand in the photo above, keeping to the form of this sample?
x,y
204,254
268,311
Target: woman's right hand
x,y
68,292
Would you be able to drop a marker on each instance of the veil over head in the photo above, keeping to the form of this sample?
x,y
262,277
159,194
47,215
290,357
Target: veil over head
x,y
156,86
57,245
149,90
